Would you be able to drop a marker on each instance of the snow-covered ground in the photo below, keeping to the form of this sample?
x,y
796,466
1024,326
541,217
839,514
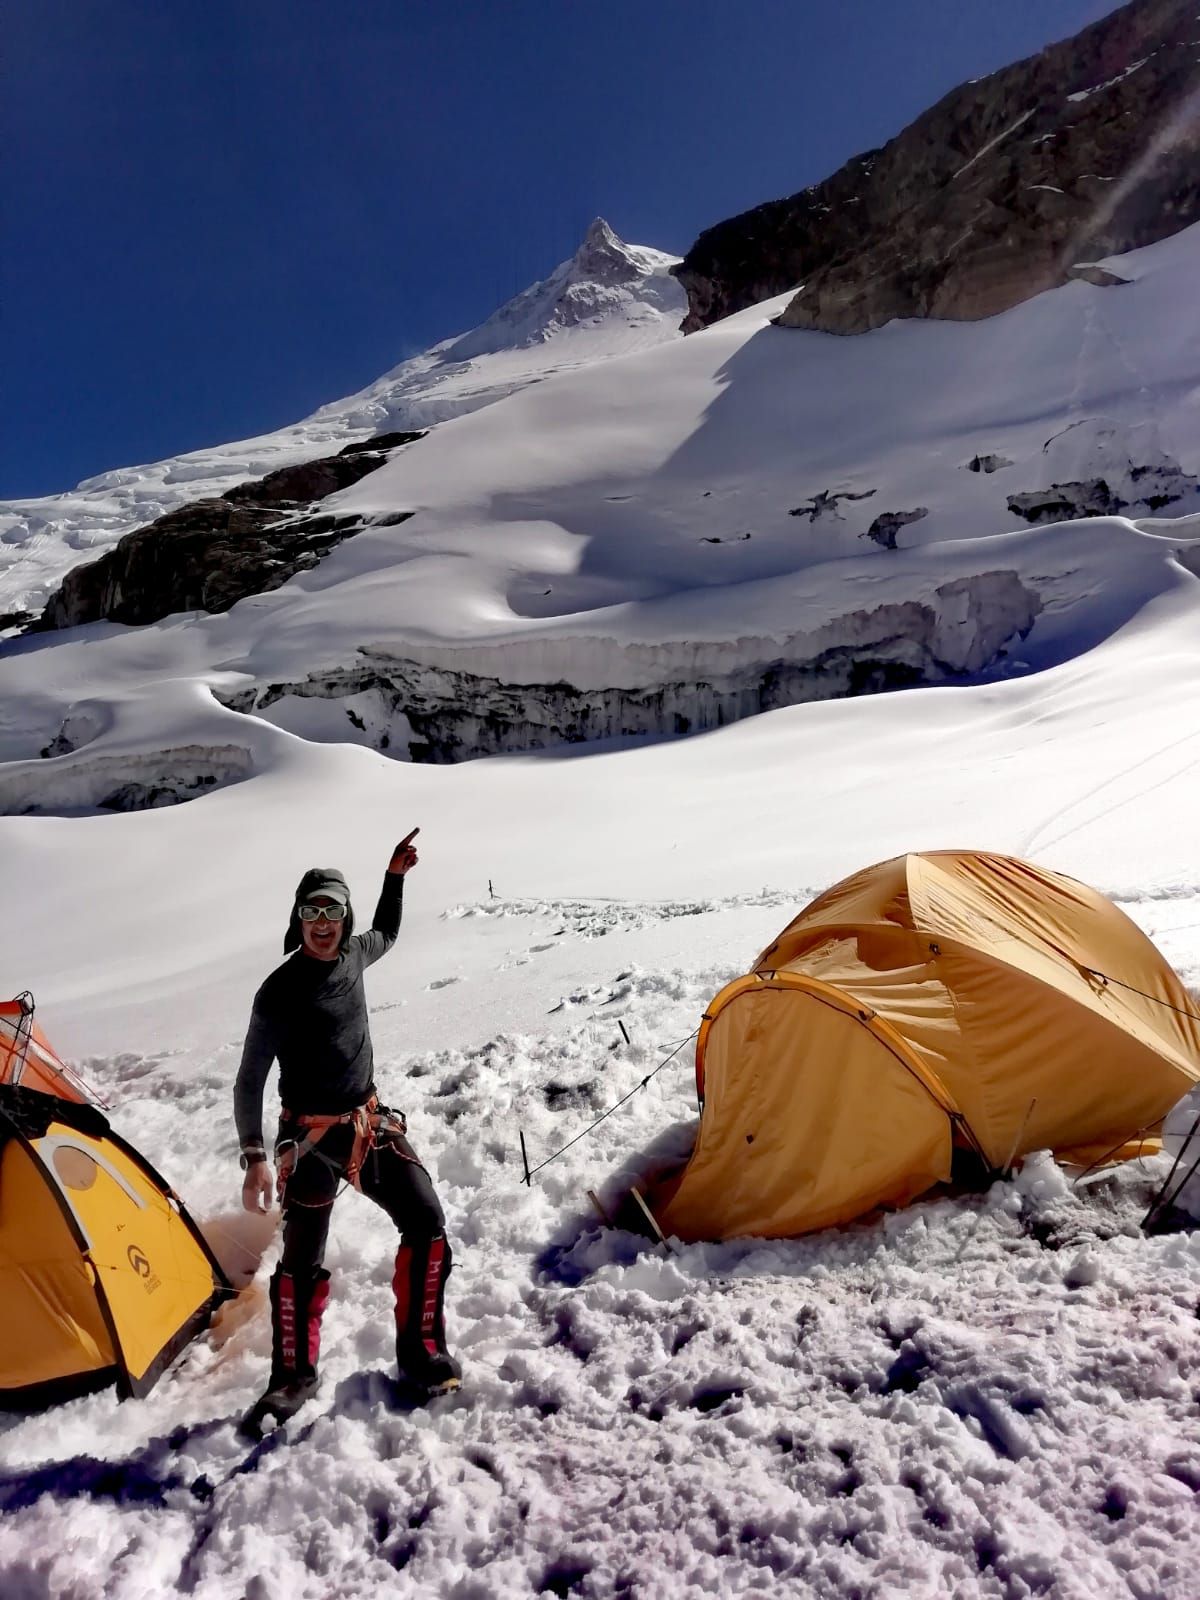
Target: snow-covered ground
x,y
990,1396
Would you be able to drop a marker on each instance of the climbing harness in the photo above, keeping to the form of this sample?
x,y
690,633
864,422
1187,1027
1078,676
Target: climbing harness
x,y
374,1125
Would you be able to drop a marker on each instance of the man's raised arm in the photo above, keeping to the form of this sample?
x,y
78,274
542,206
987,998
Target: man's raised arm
x,y
385,924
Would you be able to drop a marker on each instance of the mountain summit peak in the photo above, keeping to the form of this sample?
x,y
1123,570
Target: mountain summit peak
x,y
606,258
600,232
605,280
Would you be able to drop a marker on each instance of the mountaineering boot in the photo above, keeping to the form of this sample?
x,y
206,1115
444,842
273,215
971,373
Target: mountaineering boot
x,y
297,1305
419,1284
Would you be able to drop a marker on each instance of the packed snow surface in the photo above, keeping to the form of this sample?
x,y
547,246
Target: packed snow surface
x,y
991,1395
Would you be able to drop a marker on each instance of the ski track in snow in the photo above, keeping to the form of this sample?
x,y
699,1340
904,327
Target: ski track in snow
x,y
991,1395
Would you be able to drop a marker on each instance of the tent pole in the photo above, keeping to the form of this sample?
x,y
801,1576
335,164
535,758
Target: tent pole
x,y
1155,1203
24,1035
1006,1169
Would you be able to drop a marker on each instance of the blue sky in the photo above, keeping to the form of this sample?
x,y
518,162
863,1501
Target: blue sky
x,y
219,214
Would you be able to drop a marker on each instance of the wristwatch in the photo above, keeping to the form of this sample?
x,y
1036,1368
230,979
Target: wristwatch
x,y
251,1156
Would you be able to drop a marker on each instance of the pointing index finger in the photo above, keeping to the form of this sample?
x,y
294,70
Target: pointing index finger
x,y
407,837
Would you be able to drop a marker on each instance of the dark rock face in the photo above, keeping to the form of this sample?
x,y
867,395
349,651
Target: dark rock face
x,y
313,480
209,555
1006,187
1065,502
826,502
886,526
1142,488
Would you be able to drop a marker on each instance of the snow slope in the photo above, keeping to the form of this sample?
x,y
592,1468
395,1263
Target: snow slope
x,y
989,1396
608,299
968,1397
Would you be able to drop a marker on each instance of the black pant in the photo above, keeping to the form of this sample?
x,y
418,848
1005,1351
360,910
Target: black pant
x,y
391,1176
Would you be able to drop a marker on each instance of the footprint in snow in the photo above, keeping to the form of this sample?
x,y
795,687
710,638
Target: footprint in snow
x,y
442,983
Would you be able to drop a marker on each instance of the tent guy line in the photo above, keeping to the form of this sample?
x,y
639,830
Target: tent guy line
x,y
1153,998
532,1172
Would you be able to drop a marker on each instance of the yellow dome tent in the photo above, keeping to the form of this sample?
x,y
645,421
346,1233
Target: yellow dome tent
x,y
942,999
103,1275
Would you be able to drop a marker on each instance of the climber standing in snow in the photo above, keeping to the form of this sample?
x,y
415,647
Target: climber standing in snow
x,y
310,1015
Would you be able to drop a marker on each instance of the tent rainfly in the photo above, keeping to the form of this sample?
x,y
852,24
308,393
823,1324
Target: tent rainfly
x,y
941,1000
103,1275
28,1058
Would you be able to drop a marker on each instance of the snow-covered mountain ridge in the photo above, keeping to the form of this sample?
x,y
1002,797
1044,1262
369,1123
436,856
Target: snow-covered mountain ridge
x,y
608,299
683,536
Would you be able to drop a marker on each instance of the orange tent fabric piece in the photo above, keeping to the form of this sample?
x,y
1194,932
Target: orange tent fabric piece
x,y
27,1057
941,998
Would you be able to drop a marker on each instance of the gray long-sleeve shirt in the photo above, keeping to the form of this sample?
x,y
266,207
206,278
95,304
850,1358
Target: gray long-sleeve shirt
x,y
311,1017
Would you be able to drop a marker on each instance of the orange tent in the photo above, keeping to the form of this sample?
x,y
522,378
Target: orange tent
x,y
28,1059
941,999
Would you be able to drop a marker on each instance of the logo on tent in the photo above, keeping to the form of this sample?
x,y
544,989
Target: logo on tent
x,y
141,1265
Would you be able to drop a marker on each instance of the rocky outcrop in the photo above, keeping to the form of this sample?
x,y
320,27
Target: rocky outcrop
x,y
886,526
443,713
1008,186
1153,488
314,480
825,503
1065,502
212,553
1106,478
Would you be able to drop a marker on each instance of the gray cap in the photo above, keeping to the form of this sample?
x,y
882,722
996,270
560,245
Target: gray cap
x,y
325,881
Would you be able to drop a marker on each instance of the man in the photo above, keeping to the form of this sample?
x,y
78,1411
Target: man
x,y
311,1016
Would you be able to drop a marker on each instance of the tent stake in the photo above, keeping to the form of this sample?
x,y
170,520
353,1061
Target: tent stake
x,y
623,1029
652,1220
525,1159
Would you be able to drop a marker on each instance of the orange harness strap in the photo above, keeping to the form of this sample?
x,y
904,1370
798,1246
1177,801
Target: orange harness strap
x,y
368,1119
